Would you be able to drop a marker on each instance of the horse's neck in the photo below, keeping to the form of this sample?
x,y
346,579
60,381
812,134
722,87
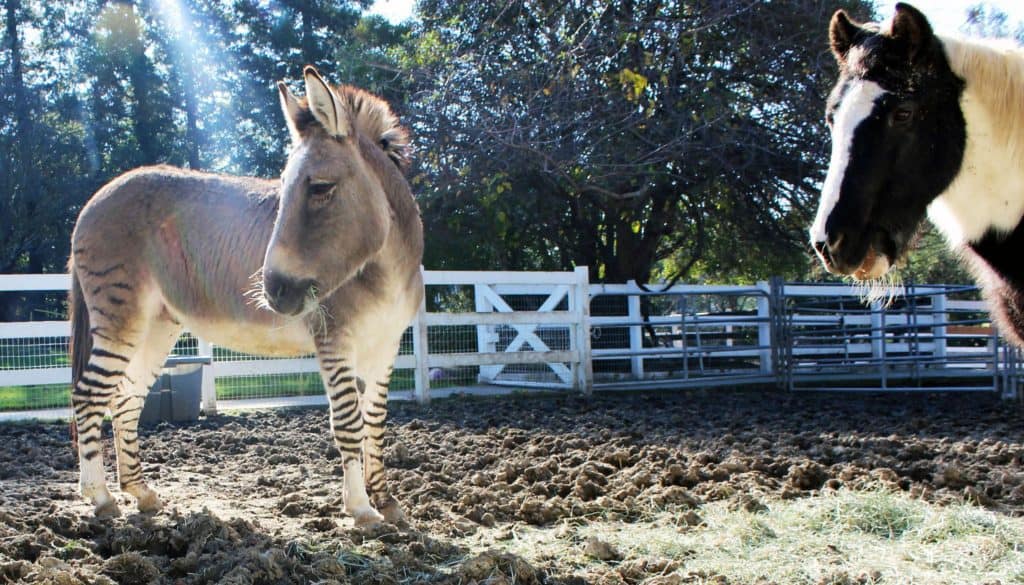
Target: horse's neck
x,y
987,197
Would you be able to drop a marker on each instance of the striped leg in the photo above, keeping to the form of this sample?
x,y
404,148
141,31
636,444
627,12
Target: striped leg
x,y
337,367
91,397
375,411
142,371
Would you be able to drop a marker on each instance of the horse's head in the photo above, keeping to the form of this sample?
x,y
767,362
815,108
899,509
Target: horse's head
x,y
333,215
898,138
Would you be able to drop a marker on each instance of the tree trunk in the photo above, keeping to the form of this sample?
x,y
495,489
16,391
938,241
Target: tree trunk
x,y
24,193
142,121
307,36
192,135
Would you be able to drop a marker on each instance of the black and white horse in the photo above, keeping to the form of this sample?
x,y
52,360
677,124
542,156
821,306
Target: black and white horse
x,y
925,124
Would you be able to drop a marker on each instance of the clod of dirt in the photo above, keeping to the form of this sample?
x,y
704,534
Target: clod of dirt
x,y
131,568
539,512
292,509
748,503
953,476
14,571
493,567
676,496
596,548
691,518
641,570
587,490
807,475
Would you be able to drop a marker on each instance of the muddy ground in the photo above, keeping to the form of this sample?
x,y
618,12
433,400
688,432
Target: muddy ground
x,y
255,497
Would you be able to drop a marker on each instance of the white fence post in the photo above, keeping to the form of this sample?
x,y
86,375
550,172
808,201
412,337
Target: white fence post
x,y
764,327
636,333
584,381
486,335
209,384
421,352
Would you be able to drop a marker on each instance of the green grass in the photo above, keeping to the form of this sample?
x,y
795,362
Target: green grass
x,y
265,386
32,397
839,537
306,384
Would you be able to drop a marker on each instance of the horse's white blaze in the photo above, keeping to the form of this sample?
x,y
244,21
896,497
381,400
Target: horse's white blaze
x,y
988,193
856,105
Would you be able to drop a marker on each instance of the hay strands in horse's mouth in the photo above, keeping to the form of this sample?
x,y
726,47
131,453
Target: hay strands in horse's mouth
x,y
874,266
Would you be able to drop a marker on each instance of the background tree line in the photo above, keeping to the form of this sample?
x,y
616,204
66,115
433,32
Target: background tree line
x,y
643,138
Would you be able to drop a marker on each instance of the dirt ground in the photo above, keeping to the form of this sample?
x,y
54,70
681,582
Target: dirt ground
x,y
255,497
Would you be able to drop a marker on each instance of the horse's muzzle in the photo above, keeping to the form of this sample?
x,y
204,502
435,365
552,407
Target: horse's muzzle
x,y
286,295
873,265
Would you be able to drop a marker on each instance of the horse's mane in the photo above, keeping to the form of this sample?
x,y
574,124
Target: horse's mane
x,y
372,117
994,71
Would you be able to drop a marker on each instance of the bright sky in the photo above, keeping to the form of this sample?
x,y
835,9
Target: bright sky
x,y
946,16
394,10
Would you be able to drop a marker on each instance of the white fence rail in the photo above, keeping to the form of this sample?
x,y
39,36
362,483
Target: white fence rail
x,y
556,330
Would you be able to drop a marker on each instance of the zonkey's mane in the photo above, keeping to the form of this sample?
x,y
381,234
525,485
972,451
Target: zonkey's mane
x,y
994,71
370,116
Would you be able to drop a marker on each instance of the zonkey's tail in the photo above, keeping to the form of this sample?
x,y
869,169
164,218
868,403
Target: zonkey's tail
x,y
80,342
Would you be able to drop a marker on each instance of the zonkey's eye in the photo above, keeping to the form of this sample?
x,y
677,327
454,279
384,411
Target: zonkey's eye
x,y
321,191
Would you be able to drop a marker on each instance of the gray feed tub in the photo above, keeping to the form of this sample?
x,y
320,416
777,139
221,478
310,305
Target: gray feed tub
x,y
177,393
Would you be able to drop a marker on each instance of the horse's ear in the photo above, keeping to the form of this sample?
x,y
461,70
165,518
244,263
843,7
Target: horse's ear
x,y
841,32
911,27
291,109
324,104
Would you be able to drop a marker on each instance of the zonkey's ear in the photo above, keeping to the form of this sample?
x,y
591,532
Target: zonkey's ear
x,y
911,27
290,108
841,32
325,105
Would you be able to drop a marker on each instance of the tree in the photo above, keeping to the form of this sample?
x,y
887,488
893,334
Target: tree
x,y
262,42
985,20
45,162
623,135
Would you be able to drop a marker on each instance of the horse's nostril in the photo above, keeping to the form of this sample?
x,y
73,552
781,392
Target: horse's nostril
x,y
825,253
834,245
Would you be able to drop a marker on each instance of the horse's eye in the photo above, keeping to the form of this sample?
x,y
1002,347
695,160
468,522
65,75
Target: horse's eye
x,y
902,115
321,191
